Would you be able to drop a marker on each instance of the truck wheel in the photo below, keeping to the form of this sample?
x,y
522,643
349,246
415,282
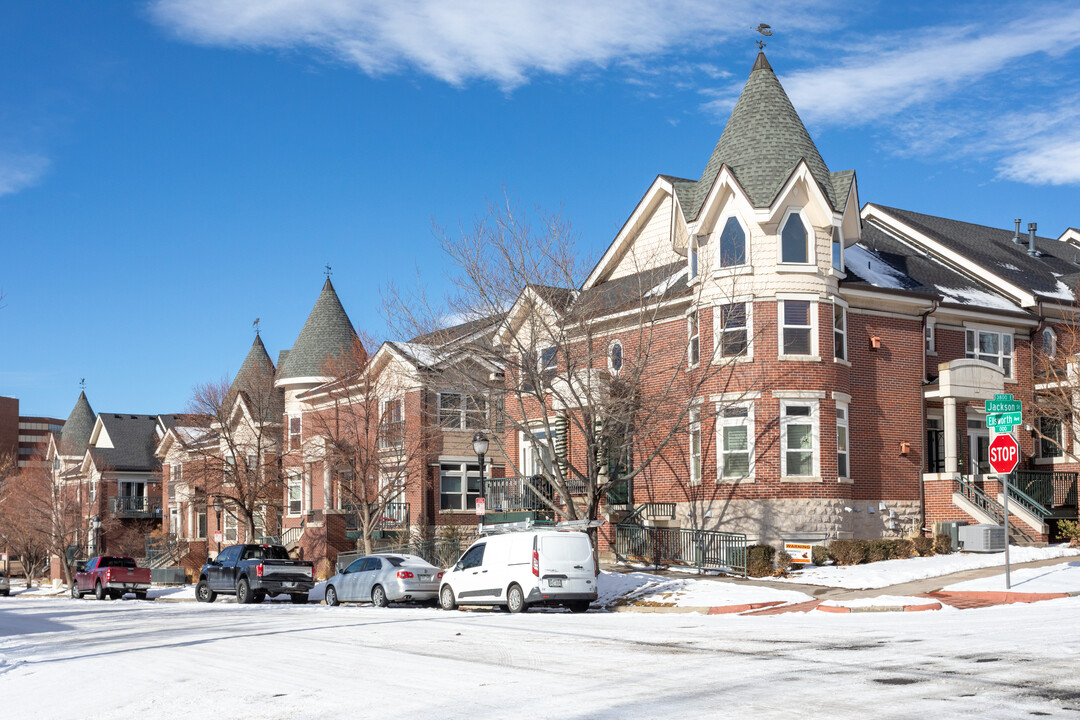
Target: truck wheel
x,y
578,606
378,597
515,599
75,594
299,599
258,596
99,591
203,593
446,599
243,592
140,595
331,597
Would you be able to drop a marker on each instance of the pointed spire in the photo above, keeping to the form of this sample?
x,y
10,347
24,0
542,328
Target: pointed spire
x,y
255,380
77,428
327,333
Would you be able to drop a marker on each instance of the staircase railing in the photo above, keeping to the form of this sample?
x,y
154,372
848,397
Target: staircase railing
x,y
973,494
1029,503
291,535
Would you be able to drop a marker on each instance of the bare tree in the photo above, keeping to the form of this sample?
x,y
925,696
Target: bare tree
x,y
596,382
1055,350
359,420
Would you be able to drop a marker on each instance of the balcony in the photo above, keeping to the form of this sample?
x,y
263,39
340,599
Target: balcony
x,y
395,516
135,507
511,494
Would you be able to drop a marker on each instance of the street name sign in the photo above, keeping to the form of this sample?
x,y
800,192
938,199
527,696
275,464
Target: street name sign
x,y
1003,406
1004,454
1003,420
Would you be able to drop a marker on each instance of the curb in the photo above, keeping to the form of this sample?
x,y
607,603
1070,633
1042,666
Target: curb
x,y
1000,597
730,609
879,608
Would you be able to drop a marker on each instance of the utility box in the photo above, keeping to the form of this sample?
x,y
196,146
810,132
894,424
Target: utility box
x,y
952,529
982,538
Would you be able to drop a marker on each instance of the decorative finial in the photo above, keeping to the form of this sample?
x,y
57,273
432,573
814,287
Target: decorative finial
x,y
328,271
256,326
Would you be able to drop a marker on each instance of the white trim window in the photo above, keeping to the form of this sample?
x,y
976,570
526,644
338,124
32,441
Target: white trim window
x,y
837,249
615,357
200,524
931,336
460,411
176,473
799,438
992,346
798,333
839,332
232,527
795,245
735,439
693,328
296,426
694,257
843,463
732,245
459,486
1049,342
733,329
1052,441
695,446
392,424
295,485
549,360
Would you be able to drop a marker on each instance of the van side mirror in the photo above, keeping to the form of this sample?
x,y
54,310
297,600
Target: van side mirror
x,y
458,566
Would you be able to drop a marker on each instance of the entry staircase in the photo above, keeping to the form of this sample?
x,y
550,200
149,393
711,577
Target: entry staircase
x,y
1036,500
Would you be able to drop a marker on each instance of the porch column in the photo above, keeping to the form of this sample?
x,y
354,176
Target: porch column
x,y
951,451
307,489
327,505
190,532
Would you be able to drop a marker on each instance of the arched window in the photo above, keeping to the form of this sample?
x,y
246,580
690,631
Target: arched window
x,y
1049,342
793,241
615,357
732,244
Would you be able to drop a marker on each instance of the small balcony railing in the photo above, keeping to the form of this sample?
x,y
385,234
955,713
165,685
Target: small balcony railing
x,y
136,506
512,494
395,515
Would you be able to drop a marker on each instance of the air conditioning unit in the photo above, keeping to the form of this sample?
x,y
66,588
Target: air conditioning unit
x,y
982,538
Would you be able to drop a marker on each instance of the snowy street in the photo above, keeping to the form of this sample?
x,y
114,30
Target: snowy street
x,y
62,658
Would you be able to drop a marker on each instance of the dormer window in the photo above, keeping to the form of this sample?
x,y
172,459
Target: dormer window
x,y
732,244
794,241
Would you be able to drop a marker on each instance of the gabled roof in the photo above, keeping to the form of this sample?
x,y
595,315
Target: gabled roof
x,y
459,331
255,383
993,251
77,428
134,439
761,145
326,334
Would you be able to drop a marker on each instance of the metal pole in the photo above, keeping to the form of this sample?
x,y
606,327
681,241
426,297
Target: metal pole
x,y
483,490
1008,578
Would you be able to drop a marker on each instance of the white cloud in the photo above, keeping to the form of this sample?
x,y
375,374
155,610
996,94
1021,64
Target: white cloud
x,y
18,172
505,41
1053,160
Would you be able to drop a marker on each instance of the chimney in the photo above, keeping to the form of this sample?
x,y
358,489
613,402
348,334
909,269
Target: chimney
x,y
1032,227
1016,237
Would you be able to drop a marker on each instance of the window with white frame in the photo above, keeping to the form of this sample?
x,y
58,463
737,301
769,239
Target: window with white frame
x,y
732,244
392,425
460,411
175,473
931,336
991,346
794,240
733,332
549,359
200,524
1050,443
694,257
843,469
797,333
296,493
295,426
459,486
695,446
232,527
798,438
694,349
839,332
1049,342
615,357
837,249
736,441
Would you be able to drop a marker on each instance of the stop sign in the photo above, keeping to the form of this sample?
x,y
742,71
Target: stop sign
x,y
1004,454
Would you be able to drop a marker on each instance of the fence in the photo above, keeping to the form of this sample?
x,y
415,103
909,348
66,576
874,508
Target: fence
x,y
702,549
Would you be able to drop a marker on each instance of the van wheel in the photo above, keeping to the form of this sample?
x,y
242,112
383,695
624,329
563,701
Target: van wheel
x,y
203,593
515,600
378,597
99,592
331,598
446,599
578,606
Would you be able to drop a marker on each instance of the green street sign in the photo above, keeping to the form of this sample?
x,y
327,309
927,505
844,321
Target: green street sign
x,y
1003,406
1003,396
1003,420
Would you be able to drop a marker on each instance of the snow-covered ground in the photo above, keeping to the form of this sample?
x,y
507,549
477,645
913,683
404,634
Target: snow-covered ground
x,y
645,588
1063,578
883,601
891,572
65,659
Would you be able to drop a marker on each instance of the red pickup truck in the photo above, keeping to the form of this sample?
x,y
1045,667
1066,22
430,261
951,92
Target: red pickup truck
x,y
111,577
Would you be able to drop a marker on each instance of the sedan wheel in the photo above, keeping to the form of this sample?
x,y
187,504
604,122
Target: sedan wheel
x,y
446,599
378,597
331,597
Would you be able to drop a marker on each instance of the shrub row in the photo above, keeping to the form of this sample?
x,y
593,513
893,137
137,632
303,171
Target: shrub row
x,y
854,552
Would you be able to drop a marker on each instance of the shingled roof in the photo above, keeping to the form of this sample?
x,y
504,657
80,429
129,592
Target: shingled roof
x,y
134,438
255,381
327,333
763,142
77,428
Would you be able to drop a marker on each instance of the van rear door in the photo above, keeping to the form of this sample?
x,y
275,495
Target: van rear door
x,y
566,564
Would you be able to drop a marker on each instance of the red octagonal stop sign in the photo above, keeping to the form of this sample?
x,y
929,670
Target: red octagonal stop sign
x,y
1004,454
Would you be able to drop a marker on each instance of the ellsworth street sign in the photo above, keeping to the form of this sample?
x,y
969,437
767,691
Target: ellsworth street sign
x,y
1004,454
1004,421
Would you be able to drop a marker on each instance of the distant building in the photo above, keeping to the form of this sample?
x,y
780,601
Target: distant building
x,y
26,436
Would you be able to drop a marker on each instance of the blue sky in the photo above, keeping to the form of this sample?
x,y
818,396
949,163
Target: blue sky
x,y
171,170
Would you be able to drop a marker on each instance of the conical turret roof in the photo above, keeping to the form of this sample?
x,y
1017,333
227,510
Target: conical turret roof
x,y
327,333
75,434
763,141
255,381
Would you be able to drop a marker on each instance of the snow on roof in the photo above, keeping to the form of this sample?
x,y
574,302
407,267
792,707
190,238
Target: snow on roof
x,y
666,285
420,354
973,296
874,270
1061,291
191,435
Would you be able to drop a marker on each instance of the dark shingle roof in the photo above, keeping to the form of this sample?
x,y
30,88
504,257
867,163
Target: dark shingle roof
x,y
134,438
255,380
763,141
459,331
993,250
655,284
327,333
77,428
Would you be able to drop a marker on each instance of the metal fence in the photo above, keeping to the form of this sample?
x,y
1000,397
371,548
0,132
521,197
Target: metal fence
x,y
1050,489
702,549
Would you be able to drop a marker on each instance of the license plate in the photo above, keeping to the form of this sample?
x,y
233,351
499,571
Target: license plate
x,y
425,577
555,583
288,584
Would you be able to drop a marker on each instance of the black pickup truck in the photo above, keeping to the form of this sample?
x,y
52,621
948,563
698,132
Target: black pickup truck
x,y
251,572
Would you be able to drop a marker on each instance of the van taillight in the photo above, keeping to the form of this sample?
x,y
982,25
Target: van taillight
x,y
536,563
259,570
404,574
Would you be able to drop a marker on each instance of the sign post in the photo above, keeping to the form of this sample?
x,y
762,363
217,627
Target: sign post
x,y
1004,457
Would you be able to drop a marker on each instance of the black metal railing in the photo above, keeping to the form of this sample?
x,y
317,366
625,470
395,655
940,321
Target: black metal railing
x,y
394,515
1027,502
513,494
974,494
1050,489
702,549
136,506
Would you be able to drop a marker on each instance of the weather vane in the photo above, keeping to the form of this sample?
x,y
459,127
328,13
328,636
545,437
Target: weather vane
x,y
256,326
329,271
764,30
82,383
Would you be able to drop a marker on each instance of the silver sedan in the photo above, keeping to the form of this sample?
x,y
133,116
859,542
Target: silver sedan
x,y
383,579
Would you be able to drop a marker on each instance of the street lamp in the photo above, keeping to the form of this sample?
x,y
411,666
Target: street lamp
x,y
95,523
480,447
219,505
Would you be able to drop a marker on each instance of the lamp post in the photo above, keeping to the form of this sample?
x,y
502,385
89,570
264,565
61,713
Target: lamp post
x,y
95,523
480,447
219,505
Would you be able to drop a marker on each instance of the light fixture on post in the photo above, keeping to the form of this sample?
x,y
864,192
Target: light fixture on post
x,y
95,522
480,447
219,505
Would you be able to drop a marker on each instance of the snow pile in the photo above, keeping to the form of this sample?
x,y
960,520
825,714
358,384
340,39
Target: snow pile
x,y
881,601
643,588
874,270
1064,578
890,572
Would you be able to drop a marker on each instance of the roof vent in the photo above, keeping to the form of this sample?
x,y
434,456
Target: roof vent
x,y
1032,227
1016,237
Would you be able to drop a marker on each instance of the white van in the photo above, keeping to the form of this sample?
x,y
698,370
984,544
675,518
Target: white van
x,y
519,569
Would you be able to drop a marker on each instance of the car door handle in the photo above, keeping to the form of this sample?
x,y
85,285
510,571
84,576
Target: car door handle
x,y
483,571
578,567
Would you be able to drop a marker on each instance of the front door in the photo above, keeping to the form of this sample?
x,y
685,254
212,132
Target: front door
x,y
978,447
